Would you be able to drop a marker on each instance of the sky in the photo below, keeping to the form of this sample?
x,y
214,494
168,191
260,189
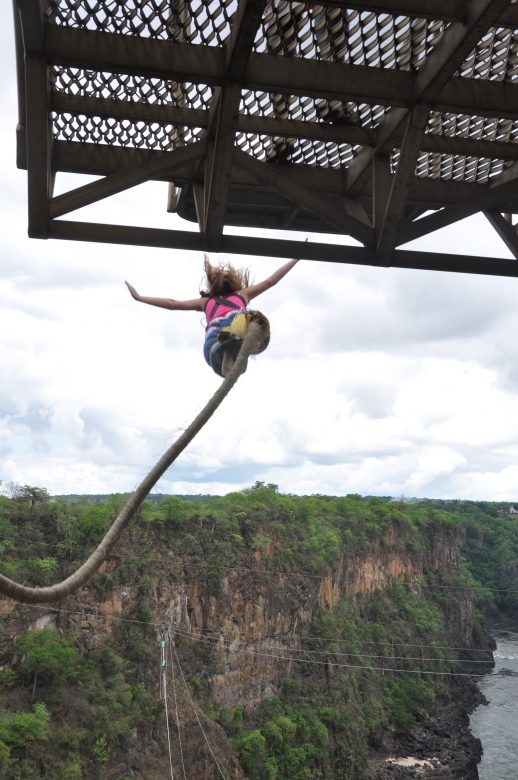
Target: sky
x,y
376,381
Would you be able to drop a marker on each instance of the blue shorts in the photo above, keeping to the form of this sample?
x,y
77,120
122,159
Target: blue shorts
x,y
213,347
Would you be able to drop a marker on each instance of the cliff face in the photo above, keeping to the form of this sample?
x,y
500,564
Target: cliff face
x,y
248,632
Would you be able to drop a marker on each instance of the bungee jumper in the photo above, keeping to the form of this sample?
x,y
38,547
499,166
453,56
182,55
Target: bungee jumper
x,y
52,593
233,333
224,300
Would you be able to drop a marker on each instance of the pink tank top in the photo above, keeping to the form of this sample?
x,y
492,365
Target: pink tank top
x,y
220,307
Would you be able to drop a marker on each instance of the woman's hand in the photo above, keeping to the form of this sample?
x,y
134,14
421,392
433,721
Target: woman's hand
x,y
134,293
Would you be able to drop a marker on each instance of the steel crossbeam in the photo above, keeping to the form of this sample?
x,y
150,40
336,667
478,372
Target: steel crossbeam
x,y
382,126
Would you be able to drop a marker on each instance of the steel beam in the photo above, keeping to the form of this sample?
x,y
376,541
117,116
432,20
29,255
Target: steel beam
x,y
314,78
405,172
381,183
100,160
331,211
505,229
471,147
329,80
39,145
199,117
447,10
219,162
224,116
168,164
480,97
74,47
37,127
207,64
33,27
509,17
21,130
491,197
334,253
126,109
291,128
246,22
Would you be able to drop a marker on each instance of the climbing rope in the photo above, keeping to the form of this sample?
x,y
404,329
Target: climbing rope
x,y
85,572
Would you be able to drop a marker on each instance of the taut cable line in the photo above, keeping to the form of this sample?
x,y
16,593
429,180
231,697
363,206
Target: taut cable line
x,y
60,590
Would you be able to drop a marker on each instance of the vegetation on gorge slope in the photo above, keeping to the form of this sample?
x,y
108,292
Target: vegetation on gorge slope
x,y
83,704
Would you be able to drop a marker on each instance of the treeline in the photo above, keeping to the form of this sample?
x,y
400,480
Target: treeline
x,y
74,707
491,552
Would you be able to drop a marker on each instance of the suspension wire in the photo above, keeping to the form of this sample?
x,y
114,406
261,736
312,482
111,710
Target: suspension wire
x,y
291,658
163,688
173,646
210,632
298,575
314,662
176,713
384,657
304,575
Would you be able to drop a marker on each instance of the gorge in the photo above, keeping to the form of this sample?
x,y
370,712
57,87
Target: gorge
x,y
303,637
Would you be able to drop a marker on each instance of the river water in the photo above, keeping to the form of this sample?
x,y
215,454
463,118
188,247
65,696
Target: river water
x,y
496,723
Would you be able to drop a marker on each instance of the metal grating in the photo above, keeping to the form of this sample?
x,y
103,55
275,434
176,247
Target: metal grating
x,y
364,119
310,109
121,132
196,21
289,29
458,167
495,57
126,88
129,87
298,151
344,35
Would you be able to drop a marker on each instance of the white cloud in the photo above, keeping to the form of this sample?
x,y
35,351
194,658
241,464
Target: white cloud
x,y
378,381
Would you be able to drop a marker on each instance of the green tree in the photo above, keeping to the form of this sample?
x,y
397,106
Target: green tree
x,y
47,656
252,751
22,728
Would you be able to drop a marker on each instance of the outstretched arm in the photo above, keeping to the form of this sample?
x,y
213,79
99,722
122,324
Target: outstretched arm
x,y
256,289
196,304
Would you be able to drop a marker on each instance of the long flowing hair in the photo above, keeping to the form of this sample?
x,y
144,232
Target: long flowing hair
x,y
223,279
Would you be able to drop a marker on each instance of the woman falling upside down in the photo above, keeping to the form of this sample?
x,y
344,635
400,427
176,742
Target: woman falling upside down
x,y
225,303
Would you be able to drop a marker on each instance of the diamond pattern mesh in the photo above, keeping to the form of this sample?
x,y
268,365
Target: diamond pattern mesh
x,y
343,35
130,89
121,132
462,167
290,29
194,20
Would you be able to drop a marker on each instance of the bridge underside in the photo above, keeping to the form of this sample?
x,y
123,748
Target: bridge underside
x,y
382,121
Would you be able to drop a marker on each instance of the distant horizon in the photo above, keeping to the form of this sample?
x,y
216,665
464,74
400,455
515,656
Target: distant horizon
x,y
158,496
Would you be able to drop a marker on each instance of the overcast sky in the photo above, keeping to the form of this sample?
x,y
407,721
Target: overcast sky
x,y
377,381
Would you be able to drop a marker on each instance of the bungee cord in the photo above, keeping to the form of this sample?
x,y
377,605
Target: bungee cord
x,y
85,572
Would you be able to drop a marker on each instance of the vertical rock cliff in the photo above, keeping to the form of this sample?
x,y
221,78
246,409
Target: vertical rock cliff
x,y
305,638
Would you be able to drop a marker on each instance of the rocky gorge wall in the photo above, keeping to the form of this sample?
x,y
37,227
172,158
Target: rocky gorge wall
x,y
241,628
